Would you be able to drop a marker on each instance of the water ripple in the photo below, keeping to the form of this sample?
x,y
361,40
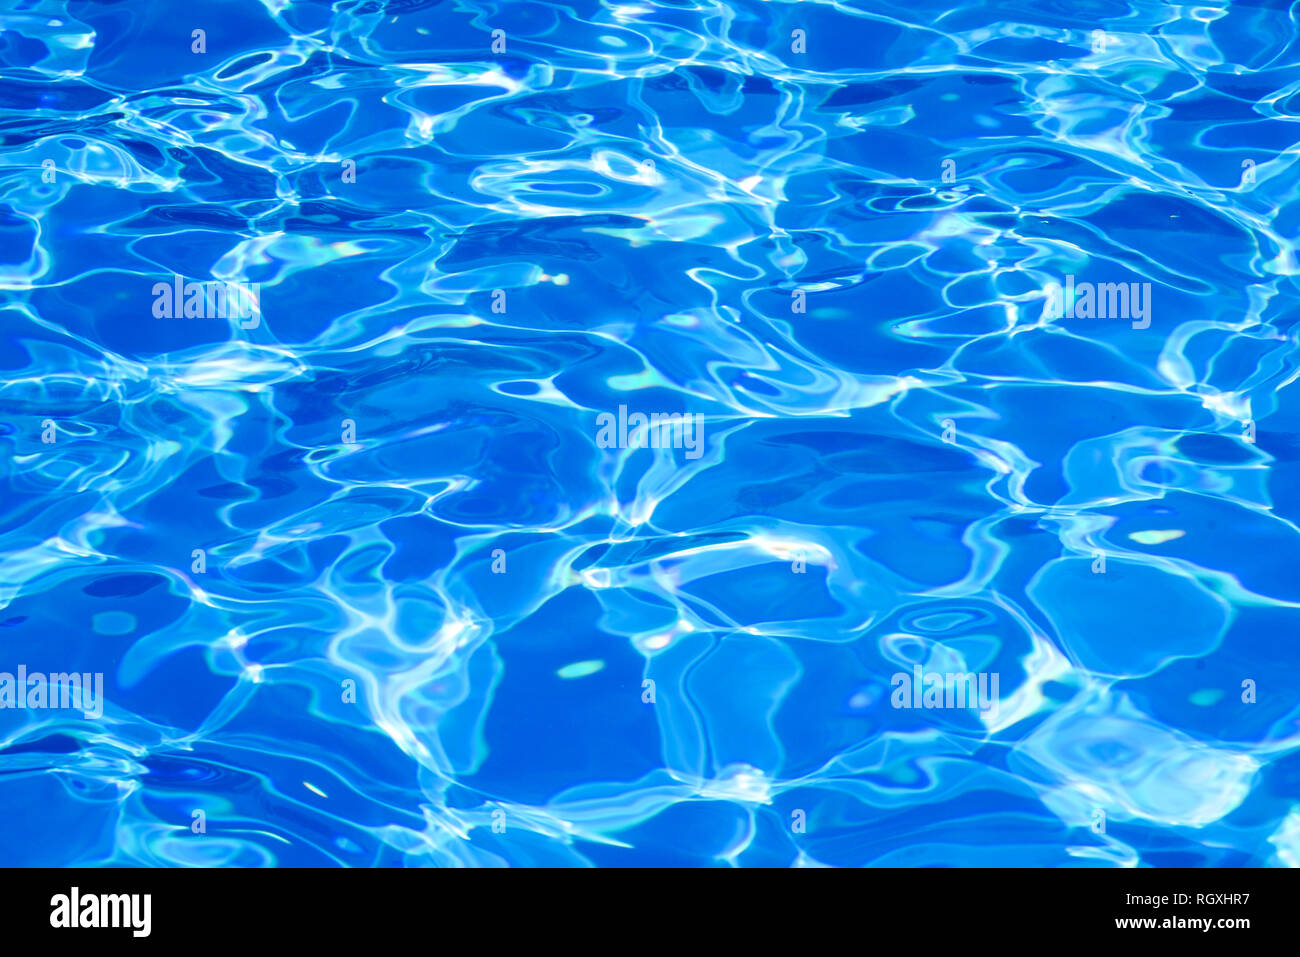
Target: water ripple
x,y
368,587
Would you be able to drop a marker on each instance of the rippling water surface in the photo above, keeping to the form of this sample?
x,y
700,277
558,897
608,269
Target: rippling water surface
x,y
367,585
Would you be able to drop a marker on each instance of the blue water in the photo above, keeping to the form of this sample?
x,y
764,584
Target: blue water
x,y
365,585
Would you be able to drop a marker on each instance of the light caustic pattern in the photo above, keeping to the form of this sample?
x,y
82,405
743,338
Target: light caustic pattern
x,y
827,229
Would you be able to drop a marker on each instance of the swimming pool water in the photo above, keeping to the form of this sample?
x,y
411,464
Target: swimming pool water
x,y
383,569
